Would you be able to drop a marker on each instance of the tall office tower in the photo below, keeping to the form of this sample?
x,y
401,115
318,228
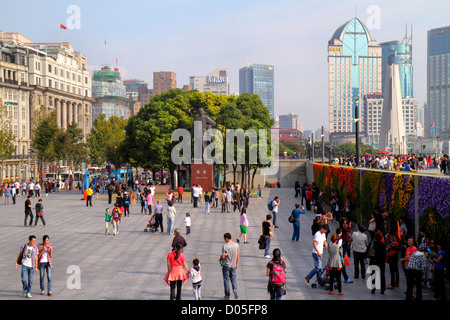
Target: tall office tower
x,y
393,130
259,79
289,121
438,84
399,53
354,70
216,82
110,94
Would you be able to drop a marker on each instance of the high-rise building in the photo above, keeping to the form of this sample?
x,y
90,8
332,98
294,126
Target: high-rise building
x,y
164,81
354,70
216,82
132,87
110,94
289,121
437,115
399,53
259,79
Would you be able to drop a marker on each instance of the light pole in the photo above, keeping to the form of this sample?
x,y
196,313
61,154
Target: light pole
x,y
357,130
323,149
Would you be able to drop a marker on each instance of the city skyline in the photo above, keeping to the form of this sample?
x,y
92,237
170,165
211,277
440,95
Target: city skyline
x,y
195,37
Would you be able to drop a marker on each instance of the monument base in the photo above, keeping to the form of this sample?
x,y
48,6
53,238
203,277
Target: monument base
x,y
203,174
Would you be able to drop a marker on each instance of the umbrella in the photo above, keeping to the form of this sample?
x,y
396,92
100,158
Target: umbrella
x,y
366,154
383,152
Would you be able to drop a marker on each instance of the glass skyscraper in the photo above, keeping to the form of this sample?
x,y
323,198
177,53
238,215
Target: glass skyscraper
x,y
259,79
399,53
437,113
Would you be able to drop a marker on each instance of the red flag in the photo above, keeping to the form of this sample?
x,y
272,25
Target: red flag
x,y
63,27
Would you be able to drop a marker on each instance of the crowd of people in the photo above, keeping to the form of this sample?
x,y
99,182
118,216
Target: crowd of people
x,y
411,162
376,243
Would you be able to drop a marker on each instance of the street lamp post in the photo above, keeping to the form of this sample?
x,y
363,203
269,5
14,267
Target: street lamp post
x,y
323,149
357,130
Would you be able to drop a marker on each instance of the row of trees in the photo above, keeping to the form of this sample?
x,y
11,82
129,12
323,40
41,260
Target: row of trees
x,y
145,140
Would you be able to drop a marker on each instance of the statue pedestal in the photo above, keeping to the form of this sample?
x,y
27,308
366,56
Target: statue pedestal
x,y
203,174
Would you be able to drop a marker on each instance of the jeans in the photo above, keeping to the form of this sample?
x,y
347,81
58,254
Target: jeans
x,y
28,213
414,279
195,202
275,296
27,278
197,289
229,274
45,267
296,234
317,267
207,207
170,225
266,249
274,220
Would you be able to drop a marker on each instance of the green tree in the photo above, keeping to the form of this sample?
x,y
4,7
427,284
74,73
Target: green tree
x,y
71,147
105,136
44,135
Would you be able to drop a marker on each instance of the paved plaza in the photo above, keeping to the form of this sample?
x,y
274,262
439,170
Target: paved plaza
x,y
132,265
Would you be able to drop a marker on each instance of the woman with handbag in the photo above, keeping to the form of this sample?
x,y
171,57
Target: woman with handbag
x,y
275,270
243,225
45,264
39,213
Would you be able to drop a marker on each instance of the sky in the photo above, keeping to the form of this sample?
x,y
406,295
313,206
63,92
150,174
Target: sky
x,y
195,37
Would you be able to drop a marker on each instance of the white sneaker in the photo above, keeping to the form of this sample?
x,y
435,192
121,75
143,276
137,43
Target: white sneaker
x,y
268,257
29,295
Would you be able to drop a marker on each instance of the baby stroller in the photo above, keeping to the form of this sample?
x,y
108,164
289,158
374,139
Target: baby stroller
x,y
323,280
151,226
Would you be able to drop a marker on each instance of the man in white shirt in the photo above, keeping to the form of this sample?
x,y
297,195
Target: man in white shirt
x,y
195,194
319,242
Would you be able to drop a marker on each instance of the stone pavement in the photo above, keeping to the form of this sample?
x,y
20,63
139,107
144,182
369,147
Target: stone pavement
x,y
132,265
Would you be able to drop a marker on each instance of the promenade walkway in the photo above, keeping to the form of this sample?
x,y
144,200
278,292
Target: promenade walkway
x,y
132,265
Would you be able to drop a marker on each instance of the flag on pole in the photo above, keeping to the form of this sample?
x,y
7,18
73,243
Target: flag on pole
x,y
432,126
63,26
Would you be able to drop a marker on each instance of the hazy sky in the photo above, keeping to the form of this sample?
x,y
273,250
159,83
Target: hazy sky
x,y
195,37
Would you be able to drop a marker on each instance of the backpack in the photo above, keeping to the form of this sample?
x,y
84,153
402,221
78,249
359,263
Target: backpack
x,y
116,214
270,205
278,274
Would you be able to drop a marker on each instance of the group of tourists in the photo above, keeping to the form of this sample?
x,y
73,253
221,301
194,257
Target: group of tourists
x,y
411,162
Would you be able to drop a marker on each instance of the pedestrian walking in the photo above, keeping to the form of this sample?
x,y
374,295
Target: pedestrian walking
x,y
392,259
177,271
359,246
171,211
267,231
275,205
187,223
178,238
335,264
107,220
207,202
45,264
195,274
28,211
28,258
319,242
116,216
39,208
296,221
416,268
230,257
159,216
243,225
126,204
276,271
89,193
